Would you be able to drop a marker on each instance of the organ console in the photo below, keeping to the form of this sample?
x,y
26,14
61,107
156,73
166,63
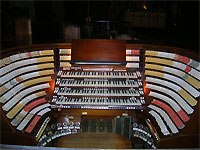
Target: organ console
x,y
146,95
98,80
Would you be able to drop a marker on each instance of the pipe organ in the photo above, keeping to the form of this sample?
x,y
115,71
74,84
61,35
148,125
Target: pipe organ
x,y
146,93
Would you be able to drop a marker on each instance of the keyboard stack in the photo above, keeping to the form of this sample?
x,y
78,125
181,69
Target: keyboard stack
x,y
98,89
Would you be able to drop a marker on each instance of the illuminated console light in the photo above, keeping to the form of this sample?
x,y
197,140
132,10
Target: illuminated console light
x,y
84,113
124,114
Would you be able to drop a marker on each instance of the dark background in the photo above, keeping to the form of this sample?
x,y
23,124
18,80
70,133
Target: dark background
x,y
49,17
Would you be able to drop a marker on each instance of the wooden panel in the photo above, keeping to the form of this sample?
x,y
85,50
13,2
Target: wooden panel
x,y
98,50
91,140
10,136
27,48
98,112
186,141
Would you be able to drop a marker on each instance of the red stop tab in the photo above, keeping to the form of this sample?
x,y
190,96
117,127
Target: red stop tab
x,y
187,69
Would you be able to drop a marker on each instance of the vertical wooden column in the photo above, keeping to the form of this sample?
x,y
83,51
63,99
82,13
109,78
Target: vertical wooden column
x,y
23,32
71,32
